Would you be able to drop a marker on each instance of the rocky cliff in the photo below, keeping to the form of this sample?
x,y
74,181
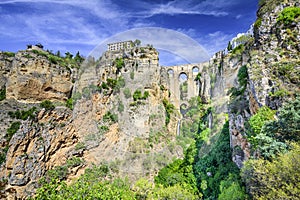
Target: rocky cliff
x,y
262,71
116,110
112,111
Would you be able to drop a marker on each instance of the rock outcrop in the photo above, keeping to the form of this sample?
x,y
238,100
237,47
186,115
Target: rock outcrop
x,y
33,77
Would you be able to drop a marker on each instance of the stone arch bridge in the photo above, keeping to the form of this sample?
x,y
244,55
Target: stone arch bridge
x,y
182,84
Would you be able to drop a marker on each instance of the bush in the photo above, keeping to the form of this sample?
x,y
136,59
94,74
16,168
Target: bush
x,y
2,94
110,117
23,114
238,50
9,54
69,103
243,76
288,15
127,93
14,127
169,108
47,104
137,95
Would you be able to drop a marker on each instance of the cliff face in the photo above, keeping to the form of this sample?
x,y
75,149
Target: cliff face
x,y
33,77
117,117
263,71
117,105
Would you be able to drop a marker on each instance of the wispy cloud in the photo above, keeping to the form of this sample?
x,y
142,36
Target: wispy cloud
x,y
215,8
62,21
168,40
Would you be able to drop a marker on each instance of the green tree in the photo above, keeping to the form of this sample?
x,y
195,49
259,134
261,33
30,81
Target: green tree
x,y
276,179
287,127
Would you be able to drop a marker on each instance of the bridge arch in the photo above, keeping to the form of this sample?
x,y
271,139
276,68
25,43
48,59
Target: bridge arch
x,y
183,76
170,72
195,70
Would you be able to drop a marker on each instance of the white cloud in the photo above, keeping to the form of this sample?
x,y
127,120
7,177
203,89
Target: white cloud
x,y
189,7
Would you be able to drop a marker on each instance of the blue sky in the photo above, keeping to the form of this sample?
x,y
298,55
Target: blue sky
x,y
78,25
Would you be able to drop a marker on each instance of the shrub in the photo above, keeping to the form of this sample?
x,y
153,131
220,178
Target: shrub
x,y
137,95
243,76
238,50
14,127
288,15
47,104
23,114
9,54
169,108
120,107
110,117
127,93
132,75
69,103
257,23
2,94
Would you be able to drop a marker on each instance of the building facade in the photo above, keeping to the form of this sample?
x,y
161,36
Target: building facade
x,y
119,45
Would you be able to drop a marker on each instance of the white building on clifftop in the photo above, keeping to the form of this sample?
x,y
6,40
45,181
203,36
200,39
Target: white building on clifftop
x,y
116,46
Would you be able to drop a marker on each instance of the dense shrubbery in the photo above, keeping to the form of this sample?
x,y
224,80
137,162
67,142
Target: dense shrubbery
x,y
276,179
67,61
289,15
9,54
216,174
23,114
47,105
274,174
98,183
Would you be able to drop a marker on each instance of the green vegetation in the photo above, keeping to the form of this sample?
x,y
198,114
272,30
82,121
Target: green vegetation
x,y
263,115
169,108
229,46
180,172
113,84
183,90
47,104
243,80
110,117
119,62
2,93
98,183
132,75
257,23
14,127
238,50
266,6
274,172
276,179
24,114
120,106
79,145
289,15
70,103
137,95
127,93
216,174
9,54
68,61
